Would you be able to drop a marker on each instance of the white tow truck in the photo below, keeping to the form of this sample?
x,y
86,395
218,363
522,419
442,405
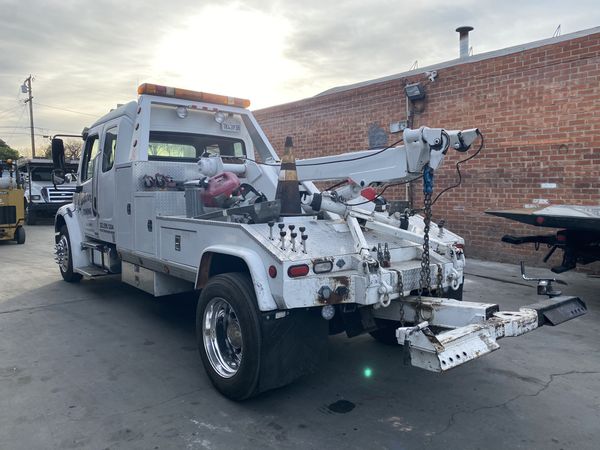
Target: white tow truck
x,y
178,191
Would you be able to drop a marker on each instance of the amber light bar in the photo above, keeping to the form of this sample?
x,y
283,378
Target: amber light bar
x,y
185,94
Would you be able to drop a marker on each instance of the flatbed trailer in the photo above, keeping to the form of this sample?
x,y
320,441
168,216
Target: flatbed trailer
x,y
578,236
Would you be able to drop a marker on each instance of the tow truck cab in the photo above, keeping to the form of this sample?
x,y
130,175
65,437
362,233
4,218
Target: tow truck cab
x,y
148,135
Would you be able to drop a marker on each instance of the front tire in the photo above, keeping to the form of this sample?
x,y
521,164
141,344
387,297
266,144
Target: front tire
x,y
229,336
65,256
20,235
30,217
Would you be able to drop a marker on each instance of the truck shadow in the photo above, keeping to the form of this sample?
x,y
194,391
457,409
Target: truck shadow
x,y
363,386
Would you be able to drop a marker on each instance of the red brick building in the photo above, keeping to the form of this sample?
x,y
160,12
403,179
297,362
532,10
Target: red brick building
x,y
538,106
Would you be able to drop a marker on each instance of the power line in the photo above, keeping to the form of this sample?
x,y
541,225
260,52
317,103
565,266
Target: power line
x,y
39,128
10,109
65,109
43,132
10,126
18,121
26,134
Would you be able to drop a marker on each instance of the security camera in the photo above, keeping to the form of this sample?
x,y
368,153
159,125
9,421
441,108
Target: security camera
x,y
431,75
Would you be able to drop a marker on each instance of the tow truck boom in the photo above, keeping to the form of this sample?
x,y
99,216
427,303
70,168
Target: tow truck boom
x,y
423,146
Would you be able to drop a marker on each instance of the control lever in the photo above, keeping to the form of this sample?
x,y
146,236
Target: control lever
x,y
271,225
441,225
304,237
544,286
282,239
293,236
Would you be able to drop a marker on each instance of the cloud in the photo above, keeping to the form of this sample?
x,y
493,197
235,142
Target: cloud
x,y
87,56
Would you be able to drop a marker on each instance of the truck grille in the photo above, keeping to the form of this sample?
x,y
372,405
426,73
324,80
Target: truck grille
x,y
8,215
60,194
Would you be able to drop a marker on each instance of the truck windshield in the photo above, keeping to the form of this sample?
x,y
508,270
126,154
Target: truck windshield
x,y
170,146
41,174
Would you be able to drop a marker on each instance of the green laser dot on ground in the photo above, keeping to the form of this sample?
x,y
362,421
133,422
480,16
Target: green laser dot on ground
x,y
368,372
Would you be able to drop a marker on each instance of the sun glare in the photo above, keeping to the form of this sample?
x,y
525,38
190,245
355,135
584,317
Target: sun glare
x,y
232,51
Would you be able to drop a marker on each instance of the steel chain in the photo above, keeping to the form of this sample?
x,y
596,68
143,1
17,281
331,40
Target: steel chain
x,y
402,314
439,280
400,285
400,288
425,281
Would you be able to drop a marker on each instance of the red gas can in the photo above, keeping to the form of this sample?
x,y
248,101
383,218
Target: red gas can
x,y
219,189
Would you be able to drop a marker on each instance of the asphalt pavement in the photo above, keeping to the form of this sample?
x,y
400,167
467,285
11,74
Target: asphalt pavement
x,y
100,365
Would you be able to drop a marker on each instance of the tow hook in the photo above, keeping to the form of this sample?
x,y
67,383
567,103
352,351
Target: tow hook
x,y
384,291
454,278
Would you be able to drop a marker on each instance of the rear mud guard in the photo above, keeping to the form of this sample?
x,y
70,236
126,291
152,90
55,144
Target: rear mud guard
x,y
294,343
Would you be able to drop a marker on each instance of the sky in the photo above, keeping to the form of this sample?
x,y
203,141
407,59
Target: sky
x,y
88,56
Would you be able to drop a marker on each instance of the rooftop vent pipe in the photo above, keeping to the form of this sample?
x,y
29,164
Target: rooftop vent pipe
x,y
463,33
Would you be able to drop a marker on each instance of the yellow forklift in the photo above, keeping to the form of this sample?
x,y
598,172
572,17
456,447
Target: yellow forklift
x,y
12,206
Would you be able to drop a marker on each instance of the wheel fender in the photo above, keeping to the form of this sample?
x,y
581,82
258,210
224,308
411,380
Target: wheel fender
x,y
68,215
256,267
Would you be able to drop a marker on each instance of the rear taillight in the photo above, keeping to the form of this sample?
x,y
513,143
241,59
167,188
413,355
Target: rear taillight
x,y
272,271
300,270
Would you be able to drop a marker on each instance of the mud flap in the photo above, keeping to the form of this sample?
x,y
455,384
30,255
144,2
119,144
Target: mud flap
x,y
557,310
292,346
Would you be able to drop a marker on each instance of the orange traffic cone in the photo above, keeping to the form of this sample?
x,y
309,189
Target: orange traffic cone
x,y
287,186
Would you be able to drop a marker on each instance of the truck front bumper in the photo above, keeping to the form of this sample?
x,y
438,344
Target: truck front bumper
x,y
49,208
468,330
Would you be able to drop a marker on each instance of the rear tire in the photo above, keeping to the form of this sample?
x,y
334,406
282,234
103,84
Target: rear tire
x,y
386,333
65,263
456,294
20,235
229,335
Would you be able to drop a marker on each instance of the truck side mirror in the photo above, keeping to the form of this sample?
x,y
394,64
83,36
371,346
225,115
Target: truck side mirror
x,y
58,154
58,177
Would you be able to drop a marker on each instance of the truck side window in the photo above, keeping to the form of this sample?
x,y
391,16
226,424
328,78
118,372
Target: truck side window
x,y
90,152
110,145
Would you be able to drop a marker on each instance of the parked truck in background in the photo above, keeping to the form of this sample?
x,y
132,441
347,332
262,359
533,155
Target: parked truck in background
x,y
181,191
42,197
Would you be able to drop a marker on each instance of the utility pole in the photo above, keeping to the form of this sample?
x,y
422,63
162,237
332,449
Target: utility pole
x,y
26,89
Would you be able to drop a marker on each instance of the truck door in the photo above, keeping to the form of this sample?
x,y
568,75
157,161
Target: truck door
x,y
86,199
105,184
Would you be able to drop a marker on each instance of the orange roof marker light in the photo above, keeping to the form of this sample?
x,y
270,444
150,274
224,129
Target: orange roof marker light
x,y
185,94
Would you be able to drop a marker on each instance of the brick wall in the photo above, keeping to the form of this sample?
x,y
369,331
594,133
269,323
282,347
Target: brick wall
x,y
539,111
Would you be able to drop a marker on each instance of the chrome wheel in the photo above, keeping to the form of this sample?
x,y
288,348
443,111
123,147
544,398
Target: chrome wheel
x,y
62,253
222,336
